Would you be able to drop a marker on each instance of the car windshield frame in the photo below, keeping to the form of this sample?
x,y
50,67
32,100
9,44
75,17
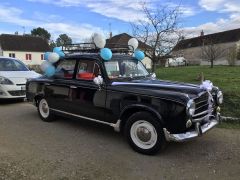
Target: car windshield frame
x,y
121,66
16,65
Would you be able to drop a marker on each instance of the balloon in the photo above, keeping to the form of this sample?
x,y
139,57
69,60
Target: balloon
x,y
56,49
139,55
106,54
59,51
61,54
45,56
50,71
53,57
133,42
99,40
44,65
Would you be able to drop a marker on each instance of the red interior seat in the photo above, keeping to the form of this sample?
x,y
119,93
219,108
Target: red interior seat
x,y
87,76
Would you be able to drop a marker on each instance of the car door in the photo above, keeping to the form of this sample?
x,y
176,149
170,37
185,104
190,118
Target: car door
x,y
58,90
87,100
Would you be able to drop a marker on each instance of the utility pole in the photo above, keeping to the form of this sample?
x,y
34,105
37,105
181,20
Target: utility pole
x,y
23,30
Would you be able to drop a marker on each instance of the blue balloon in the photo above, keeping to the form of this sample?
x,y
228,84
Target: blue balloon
x,y
56,49
50,71
45,56
61,54
106,54
59,51
139,55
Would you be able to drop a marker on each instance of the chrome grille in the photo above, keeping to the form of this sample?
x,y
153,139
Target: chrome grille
x,y
17,93
202,107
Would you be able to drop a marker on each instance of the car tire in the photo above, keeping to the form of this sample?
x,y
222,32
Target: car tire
x,y
144,133
44,111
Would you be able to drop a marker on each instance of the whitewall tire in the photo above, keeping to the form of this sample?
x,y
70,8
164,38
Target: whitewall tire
x,y
44,110
145,133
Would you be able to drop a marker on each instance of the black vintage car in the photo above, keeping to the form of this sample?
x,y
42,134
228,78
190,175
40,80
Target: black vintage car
x,y
122,94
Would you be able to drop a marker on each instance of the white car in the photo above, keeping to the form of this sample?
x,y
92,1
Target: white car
x,y
13,78
173,62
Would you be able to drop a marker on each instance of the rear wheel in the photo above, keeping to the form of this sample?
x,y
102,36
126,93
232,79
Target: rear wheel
x,y
44,111
145,133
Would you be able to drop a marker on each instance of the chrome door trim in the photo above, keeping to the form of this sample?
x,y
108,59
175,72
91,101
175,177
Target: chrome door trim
x,y
115,126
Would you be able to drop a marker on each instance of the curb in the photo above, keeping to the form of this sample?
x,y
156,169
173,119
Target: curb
x,y
229,119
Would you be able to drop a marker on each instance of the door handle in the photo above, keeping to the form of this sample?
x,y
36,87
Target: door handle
x,y
73,87
46,84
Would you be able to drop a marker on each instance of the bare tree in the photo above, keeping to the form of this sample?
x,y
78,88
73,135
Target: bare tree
x,y
232,56
211,51
160,30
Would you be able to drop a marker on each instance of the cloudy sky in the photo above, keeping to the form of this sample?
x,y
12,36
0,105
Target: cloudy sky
x,y
81,18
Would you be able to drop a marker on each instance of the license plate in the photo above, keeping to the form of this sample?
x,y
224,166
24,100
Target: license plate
x,y
23,88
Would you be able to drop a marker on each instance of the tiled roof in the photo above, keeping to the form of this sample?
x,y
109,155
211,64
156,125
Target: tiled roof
x,y
123,39
9,42
216,38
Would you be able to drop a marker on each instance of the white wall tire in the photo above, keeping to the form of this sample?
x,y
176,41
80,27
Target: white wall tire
x,y
44,111
144,133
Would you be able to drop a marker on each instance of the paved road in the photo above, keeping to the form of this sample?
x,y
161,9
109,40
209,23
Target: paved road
x,y
71,149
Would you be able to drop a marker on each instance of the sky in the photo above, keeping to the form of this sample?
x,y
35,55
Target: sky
x,y
81,18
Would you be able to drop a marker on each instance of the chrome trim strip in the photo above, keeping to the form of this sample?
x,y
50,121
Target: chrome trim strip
x,y
115,126
200,119
202,106
201,113
190,134
201,102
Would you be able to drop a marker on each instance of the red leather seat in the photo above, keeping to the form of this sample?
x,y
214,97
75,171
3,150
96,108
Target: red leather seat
x,y
86,76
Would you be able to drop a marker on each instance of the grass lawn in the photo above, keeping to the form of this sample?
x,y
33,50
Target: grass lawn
x,y
225,77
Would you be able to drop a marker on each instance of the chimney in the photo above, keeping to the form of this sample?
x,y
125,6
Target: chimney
x,y
202,33
110,35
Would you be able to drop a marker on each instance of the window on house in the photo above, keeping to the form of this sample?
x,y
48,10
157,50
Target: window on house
x,y
28,56
42,57
12,55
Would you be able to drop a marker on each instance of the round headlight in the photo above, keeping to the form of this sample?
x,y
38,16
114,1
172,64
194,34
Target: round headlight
x,y
219,97
190,107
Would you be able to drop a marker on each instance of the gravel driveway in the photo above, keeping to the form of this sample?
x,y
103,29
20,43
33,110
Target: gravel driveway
x,y
76,149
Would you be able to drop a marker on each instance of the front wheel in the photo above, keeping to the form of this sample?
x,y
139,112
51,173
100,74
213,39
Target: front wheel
x,y
145,133
44,111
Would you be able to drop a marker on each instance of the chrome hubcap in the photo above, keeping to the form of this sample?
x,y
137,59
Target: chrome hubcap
x,y
43,108
143,134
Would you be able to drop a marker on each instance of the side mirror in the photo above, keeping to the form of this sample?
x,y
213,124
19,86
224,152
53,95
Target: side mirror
x,y
98,81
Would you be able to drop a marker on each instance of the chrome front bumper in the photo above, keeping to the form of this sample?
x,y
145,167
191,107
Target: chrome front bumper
x,y
199,130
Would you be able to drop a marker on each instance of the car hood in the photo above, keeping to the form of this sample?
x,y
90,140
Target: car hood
x,y
176,91
19,77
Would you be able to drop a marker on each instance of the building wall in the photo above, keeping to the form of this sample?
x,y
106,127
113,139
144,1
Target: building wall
x,y
194,55
36,57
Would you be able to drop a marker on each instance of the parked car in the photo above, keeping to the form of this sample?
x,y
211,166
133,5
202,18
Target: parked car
x,y
122,94
173,62
13,77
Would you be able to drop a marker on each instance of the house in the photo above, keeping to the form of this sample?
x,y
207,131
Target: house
x,y
27,48
220,46
123,39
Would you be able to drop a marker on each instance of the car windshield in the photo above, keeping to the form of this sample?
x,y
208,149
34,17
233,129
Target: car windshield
x,y
12,65
125,68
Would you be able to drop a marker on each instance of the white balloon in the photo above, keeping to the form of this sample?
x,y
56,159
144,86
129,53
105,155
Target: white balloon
x,y
99,40
44,65
133,42
53,57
